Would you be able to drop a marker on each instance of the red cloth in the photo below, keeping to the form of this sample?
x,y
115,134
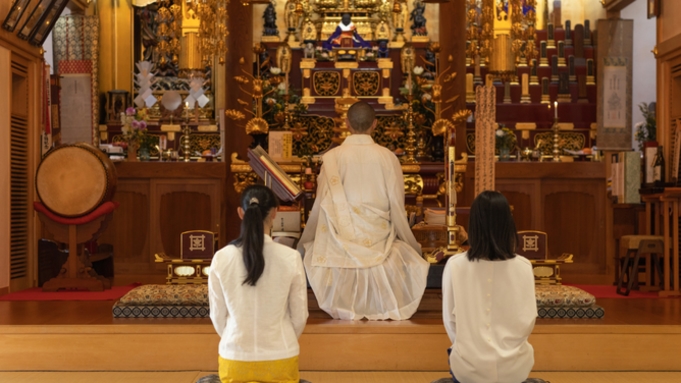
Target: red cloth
x,y
609,291
105,208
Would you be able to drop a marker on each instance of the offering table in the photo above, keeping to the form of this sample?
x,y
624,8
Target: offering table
x,y
158,201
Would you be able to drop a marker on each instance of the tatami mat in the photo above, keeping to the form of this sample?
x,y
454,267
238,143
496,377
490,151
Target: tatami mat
x,y
327,377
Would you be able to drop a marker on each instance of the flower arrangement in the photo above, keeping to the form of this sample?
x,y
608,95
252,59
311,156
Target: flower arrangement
x,y
135,132
646,130
505,140
134,125
274,100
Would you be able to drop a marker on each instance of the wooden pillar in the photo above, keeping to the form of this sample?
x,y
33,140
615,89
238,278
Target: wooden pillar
x,y
453,44
240,46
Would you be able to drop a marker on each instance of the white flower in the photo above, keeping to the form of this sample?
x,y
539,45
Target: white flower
x,y
427,96
281,86
274,70
500,133
418,70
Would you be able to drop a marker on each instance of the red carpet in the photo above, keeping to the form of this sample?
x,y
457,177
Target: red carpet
x,y
37,294
609,291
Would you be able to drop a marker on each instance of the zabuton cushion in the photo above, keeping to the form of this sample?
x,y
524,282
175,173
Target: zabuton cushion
x,y
561,295
167,295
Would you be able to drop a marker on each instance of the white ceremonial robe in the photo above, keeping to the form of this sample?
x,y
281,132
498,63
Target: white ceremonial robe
x,y
360,254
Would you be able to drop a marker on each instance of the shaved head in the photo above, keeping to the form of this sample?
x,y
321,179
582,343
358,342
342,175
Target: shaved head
x,y
361,116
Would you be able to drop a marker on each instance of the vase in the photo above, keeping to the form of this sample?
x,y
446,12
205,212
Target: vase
x,y
132,153
504,154
144,154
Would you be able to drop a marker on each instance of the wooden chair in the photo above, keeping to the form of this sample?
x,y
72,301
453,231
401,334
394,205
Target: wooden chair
x,y
635,247
533,245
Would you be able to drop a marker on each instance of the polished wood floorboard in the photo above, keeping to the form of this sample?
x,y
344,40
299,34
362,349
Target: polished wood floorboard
x,y
660,311
328,377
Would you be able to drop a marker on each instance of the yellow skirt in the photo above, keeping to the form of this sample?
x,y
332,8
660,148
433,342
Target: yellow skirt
x,y
271,371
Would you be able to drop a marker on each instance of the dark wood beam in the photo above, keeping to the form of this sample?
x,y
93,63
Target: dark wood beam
x,y
239,46
79,6
453,44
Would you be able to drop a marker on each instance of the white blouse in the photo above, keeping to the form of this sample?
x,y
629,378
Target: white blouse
x,y
261,322
489,310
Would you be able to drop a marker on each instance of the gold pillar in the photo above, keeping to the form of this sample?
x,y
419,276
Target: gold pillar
x,y
190,57
116,45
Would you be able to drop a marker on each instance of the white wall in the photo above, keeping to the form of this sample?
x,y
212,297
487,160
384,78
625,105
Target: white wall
x,y
6,89
644,71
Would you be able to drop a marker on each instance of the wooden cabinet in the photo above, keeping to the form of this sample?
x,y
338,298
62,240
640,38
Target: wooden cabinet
x,y
566,200
158,201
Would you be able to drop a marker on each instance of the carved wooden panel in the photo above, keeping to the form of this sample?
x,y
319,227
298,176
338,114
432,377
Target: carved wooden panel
x,y
180,212
128,231
574,218
179,205
525,199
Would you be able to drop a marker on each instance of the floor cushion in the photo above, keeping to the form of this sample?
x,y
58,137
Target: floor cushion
x,y
566,302
164,301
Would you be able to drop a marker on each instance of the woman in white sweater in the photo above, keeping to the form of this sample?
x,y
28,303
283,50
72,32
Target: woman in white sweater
x,y
258,298
489,306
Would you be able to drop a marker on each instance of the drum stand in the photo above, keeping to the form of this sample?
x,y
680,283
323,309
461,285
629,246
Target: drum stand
x,y
77,272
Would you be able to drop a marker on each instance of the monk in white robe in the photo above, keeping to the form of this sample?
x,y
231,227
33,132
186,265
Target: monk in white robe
x,y
361,257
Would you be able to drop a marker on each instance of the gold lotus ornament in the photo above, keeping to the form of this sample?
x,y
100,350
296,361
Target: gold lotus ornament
x,y
259,48
257,125
441,126
235,115
461,116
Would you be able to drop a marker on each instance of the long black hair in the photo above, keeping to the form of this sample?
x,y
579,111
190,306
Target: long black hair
x,y
491,230
257,201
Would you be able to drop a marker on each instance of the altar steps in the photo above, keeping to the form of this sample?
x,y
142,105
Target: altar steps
x,y
636,335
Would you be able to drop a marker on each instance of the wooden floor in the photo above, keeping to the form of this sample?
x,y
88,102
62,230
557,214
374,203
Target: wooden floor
x,y
635,335
662,311
328,377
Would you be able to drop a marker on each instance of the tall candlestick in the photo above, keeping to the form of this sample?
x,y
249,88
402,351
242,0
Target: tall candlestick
x,y
286,84
555,110
409,83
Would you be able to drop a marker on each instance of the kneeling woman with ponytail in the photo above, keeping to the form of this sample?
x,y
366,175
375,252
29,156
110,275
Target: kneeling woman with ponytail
x,y
258,298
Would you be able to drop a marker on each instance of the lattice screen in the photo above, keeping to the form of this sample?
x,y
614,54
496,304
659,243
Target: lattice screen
x,y
19,172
